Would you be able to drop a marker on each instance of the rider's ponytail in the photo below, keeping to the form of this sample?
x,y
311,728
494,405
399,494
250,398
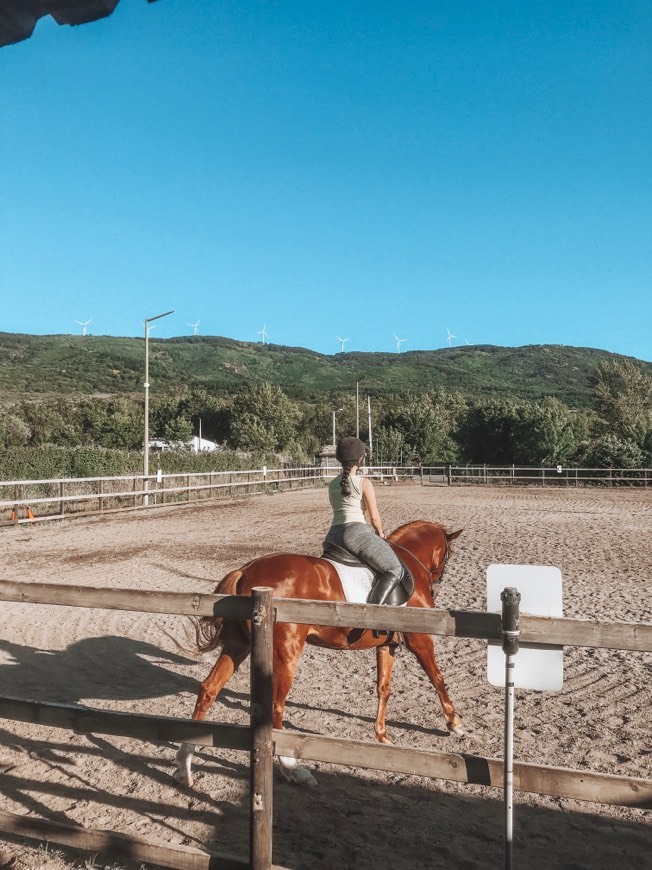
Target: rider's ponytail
x,y
346,473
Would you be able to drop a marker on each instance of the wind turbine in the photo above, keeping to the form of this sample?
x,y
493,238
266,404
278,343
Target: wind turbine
x,y
195,327
83,325
263,332
399,342
342,342
450,336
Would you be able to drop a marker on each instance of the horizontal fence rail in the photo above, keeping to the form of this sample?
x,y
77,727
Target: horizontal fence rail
x,y
452,766
541,630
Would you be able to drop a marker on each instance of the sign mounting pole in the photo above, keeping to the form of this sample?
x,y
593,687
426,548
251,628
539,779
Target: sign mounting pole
x,y
510,598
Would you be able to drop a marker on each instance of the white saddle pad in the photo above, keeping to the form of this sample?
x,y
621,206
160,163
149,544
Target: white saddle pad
x,y
356,582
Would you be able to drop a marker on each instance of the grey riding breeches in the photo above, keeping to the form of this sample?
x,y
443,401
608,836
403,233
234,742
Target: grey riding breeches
x,y
361,540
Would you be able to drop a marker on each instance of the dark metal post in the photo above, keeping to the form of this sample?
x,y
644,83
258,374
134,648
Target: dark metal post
x,y
510,598
262,745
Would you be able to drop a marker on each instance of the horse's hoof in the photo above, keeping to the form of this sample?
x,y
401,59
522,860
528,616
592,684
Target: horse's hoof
x,y
181,779
304,777
300,776
458,731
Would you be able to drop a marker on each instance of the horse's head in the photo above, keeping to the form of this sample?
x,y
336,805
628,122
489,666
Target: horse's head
x,y
430,545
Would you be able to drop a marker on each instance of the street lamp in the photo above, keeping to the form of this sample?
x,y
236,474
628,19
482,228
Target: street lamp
x,y
335,412
148,320
357,409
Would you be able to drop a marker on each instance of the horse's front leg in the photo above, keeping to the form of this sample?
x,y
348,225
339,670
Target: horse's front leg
x,y
423,647
384,667
221,673
289,640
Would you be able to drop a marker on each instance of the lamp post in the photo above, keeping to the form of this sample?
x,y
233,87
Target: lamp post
x,y
335,412
357,409
148,320
371,443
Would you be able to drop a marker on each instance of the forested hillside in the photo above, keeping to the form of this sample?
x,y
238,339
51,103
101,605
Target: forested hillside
x,y
86,365
73,405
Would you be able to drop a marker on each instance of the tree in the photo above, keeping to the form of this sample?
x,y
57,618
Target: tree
x,y
487,432
117,423
424,426
14,432
624,399
389,446
178,430
263,418
546,433
51,422
612,451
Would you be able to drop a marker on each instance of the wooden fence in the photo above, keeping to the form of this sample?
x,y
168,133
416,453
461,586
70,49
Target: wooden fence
x,y
514,475
262,741
27,500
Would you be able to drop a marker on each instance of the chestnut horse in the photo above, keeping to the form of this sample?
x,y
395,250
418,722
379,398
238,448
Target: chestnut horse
x,y
422,546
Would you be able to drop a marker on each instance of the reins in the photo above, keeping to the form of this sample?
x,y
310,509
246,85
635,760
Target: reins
x,y
432,571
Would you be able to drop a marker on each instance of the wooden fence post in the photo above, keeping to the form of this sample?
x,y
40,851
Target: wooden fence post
x,y
61,497
262,745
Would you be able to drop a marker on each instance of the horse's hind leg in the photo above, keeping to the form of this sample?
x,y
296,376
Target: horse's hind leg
x,y
384,667
234,652
423,647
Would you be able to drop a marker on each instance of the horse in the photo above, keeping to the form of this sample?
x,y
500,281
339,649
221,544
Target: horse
x,y
423,547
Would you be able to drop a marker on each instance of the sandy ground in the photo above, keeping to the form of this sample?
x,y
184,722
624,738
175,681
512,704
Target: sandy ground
x,y
599,721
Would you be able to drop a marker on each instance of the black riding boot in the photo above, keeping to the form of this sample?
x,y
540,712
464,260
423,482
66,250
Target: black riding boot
x,y
383,588
381,591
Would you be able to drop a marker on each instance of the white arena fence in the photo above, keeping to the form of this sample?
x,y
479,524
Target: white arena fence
x,y
28,500
510,475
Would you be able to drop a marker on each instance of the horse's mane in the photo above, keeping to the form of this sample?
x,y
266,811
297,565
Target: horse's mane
x,y
411,531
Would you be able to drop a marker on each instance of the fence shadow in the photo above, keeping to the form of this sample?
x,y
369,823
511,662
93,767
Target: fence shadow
x,y
350,822
103,668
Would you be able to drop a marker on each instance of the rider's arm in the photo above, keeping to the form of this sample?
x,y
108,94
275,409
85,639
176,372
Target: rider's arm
x,y
369,497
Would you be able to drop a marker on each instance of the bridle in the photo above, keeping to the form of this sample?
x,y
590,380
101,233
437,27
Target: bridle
x,y
436,573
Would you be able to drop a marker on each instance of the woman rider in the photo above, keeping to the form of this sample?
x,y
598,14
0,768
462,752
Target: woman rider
x,y
350,494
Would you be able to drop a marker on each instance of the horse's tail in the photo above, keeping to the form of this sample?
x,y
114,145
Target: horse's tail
x,y
208,629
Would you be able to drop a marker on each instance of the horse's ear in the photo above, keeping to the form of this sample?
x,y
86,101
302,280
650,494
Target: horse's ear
x,y
450,536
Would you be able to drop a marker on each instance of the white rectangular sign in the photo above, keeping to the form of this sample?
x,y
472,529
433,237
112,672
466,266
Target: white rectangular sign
x,y
540,586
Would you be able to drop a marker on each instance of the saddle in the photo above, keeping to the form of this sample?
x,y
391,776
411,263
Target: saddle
x,y
401,593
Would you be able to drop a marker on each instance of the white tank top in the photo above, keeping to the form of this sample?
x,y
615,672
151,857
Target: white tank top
x,y
346,508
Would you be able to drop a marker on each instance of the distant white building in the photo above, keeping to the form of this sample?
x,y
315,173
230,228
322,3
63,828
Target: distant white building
x,y
202,445
195,445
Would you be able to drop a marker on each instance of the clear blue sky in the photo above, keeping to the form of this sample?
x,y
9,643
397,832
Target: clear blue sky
x,y
352,169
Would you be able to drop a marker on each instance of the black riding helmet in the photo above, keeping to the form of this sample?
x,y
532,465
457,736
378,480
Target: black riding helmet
x,y
350,449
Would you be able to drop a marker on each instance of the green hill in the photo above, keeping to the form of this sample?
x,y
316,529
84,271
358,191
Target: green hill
x,y
99,365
